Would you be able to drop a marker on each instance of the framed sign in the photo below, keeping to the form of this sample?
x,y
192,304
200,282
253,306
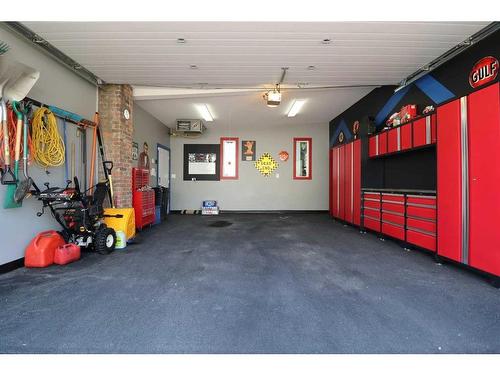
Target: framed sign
x,y
248,150
135,150
266,164
229,158
201,162
302,158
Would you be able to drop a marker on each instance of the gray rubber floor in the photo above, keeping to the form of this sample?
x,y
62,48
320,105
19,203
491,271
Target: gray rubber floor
x,y
269,283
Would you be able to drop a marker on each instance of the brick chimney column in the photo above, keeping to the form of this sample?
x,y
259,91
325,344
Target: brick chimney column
x,y
117,132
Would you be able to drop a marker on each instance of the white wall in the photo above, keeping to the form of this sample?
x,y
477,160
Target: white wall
x,y
60,87
252,191
151,130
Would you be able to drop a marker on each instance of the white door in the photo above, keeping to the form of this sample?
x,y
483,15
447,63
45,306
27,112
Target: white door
x,y
163,167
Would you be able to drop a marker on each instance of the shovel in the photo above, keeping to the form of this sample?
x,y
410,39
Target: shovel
x,y
17,80
24,186
9,201
7,177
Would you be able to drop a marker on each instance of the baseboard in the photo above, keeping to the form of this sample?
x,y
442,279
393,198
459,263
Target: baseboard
x,y
288,212
11,266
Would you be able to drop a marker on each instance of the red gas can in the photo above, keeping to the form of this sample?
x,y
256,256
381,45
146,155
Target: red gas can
x,y
41,249
67,253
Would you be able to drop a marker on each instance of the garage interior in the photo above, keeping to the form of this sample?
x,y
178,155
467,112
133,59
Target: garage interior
x,y
249,187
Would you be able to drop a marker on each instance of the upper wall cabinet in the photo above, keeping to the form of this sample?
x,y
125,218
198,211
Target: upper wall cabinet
x,y
415,134
302,158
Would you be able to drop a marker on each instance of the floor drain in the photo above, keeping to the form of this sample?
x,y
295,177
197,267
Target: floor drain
x,y
220,224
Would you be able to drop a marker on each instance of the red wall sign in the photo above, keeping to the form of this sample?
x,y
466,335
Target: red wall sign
x,y
484,71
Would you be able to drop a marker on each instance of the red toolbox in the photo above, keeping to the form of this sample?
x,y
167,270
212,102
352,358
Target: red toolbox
x,y
66,254
40,251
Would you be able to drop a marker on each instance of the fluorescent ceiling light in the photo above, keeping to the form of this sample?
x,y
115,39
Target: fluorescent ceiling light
x,y
296,106
205,113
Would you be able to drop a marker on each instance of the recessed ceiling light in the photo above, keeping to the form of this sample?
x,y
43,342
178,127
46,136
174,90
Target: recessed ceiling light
x,y
326,41
311,67
181,40
205,113
295,108
193,66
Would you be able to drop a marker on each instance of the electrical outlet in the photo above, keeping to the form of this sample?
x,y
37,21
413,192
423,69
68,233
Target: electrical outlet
x,y
173,176
277,175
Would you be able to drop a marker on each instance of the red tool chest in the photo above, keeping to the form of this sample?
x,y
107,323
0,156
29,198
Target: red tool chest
x,y
421,217
404,216
345,182
143,198
468,175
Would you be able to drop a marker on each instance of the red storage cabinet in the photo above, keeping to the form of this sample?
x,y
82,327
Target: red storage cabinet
x,y
348,186
483,178
330,182
406,136
372,146
356,170
377,144
449,181
341,182
345,167
394,140
424,131
393,230
382,143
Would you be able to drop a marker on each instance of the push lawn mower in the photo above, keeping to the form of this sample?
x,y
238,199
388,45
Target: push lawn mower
x,y
80,215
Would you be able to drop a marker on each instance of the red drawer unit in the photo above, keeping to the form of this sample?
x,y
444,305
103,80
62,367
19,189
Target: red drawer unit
x,y
375,196
421,239
373,213
396,231
398,208
143,198
421,212
393,198
371,224
393,218
406,136
424,131
144,207
421,200
371,204
421,224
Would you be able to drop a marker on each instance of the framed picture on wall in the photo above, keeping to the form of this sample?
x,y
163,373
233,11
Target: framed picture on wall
x,y
201,162
248,150
135,150
229,158
302,158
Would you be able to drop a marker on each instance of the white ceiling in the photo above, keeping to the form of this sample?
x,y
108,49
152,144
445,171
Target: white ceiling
x,y
235,55
248,110
242,54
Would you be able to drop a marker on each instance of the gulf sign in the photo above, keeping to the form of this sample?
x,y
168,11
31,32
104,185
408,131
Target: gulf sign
x,y
483,71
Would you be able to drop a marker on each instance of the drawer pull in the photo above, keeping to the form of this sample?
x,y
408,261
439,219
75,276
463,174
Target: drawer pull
x,y
421,231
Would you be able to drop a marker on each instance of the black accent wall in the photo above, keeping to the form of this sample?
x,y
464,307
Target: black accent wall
x,y
414,169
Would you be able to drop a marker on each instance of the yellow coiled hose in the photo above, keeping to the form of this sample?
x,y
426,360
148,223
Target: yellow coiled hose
x,y
48,146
